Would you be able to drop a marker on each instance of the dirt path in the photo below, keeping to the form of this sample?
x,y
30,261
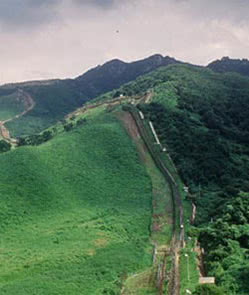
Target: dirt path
x,y
145,279
148,97
178,235
136,131
29,105
132,130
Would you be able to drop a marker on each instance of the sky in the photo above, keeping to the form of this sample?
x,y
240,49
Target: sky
x,y
44,39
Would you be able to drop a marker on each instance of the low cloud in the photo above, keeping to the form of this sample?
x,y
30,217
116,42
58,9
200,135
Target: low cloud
x,y
63,38
17,14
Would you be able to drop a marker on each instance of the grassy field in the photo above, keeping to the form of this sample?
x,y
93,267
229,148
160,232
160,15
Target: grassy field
x,y
188,270
75,213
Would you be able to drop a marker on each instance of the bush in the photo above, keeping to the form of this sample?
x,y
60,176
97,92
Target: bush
x,y
68,127
4,146
208,289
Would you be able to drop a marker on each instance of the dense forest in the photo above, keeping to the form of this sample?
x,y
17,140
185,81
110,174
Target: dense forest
x,y
227,64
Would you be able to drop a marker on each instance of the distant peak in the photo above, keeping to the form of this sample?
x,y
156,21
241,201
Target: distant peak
x,y
227,64
115,61
227,58
157,56
224,58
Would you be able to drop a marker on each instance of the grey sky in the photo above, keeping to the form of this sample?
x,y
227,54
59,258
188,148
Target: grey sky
x,y
42,39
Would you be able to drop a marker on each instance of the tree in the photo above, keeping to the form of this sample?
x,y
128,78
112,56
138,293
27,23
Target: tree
x,y
208,289
68,127
4,146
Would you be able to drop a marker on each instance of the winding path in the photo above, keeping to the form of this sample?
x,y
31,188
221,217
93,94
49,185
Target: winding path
x,y
29,105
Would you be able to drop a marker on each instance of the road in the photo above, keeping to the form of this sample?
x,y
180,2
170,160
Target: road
x,y
29,105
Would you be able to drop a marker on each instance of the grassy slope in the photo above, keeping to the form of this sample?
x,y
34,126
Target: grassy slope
x,y
75,213
52,103
161,228
9,106
57,98
202,117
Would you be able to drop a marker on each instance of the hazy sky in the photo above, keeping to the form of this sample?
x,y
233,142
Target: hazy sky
x,y
42,39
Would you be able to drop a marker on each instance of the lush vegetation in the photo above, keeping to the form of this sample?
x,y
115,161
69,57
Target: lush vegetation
x,y
202,117
10,105
52,103
146,282
4,146
115,73
56,99
75,212
59,97
76,208
208,290
227,64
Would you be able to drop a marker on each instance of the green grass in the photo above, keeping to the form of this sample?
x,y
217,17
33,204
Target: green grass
x,y
189,276
162,206
75,213
187,210
161,226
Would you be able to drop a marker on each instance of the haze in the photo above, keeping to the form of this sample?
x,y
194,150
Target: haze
x,y
43,39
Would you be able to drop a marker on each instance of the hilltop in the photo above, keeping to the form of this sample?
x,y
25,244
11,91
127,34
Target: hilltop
x,y
115,73
226,64
56,98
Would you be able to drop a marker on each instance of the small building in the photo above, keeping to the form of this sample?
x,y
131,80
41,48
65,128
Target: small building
x,y
207,280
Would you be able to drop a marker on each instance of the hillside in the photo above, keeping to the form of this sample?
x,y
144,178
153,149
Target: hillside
x,y
226,64
116,72
56,98
76,212
202,117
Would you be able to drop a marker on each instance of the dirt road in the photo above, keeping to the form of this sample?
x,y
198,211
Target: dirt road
x,y
29,105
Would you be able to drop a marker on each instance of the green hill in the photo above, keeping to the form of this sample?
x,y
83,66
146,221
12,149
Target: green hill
x,y
56,98
75,212
202,117
226,64
10,105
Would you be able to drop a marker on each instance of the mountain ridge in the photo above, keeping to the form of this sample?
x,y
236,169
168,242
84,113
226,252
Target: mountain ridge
x,y
119,72
227,64
56,98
